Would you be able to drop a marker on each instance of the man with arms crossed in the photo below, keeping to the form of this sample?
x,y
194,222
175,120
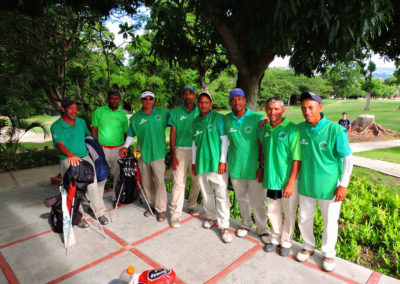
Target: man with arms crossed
x,y
181,137
323,178
280,139
109,127
149,126
210,146
242,129
68,134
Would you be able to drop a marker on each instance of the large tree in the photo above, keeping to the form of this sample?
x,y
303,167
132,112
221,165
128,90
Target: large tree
x,y
314,33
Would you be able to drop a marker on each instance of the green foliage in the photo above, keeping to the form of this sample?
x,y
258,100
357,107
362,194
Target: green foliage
x,y
25,159
344,78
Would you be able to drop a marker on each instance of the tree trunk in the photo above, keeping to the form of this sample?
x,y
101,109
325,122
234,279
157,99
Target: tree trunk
x,y
367,100
203,83
250,84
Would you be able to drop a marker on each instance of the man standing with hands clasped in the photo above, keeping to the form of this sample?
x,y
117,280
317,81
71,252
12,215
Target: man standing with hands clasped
x,y
323,178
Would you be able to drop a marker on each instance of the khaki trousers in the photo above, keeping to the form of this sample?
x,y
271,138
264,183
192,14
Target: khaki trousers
x,y
92,189
330,214
282,215
184,157
250,194
152,175
217,208
112,158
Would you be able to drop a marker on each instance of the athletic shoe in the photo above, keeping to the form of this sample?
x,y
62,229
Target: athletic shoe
x,y
83,224
270,247
161,216
208,224
193,212
265,238
303,255
284,251
226,235
328,264
103,220
175,222
242,232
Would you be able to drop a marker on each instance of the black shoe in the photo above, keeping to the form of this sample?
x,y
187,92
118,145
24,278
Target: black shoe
x,y
284,251
103,220
83,224
270,247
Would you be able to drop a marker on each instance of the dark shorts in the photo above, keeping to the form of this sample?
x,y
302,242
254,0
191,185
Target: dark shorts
x,y
274,194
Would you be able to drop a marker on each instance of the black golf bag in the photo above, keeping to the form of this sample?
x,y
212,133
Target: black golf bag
x,y
128,180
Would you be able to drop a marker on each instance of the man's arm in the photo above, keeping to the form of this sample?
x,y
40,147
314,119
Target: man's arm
x,y
172,139
95,132
288,190
341,190
194,158
72,159
260,170
224,154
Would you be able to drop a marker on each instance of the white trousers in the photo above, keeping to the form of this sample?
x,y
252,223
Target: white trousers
x,y
217,208
184,157
282,215
330,213
250,194
112,158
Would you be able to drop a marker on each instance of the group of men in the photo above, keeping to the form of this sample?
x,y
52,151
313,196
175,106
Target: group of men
x,y
289,165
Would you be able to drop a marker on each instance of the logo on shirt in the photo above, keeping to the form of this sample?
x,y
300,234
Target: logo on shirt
x,y
323,145
282,135
303,141
183,117
157,117
210,127
198,132
142,121
248,129
266,134
232,130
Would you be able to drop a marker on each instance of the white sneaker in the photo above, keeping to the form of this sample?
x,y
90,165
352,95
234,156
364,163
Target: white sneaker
x,y
242,232
329,264
193,212
175,222
303,255
226,235
208,224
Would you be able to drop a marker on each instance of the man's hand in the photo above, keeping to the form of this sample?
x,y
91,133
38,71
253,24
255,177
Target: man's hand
x,y
175,162
74,160
340,193
194,169
260,175
122,153
221,168
288,190
263,122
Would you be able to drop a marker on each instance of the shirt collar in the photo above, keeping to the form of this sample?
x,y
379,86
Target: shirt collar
x,y
154,110
194,109
284,123
118,109
246,114
314,129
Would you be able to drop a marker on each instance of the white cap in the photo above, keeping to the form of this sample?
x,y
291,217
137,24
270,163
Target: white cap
x,y
147,94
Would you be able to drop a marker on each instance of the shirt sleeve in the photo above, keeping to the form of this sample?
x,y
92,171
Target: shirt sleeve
x,y
220,125
131,132
95,120
55,135
258,127
125,124
295,147
342,145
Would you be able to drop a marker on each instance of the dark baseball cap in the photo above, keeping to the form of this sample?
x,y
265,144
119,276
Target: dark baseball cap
x,y
66,102
189,87
205,94
114,92
309,95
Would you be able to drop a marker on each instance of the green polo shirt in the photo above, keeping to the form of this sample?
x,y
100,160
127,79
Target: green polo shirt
x,y
150,132
243,134
322,147
73,136
207,131
112,125
180,118
281,147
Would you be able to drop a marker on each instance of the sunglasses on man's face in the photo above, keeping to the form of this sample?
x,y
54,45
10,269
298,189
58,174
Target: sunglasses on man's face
x,y
147,99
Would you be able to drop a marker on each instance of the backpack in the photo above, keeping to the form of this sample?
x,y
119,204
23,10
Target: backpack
x,y
56,214
127,181
97,154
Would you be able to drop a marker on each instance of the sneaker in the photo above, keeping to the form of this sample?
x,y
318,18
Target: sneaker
x,y
161,216
193,212
328,264
242,232
147,213
208,224
175,222
83,224
103,220
265,238
270,247
226,235
284,251
303,255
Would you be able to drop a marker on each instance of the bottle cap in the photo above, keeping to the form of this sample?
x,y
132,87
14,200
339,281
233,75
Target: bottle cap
x,y
130,270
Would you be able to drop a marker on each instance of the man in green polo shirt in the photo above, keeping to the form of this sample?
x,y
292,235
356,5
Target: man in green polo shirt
x,y
280,140
243,131
323,178
109,127
149,126
181,120
210,146
68,133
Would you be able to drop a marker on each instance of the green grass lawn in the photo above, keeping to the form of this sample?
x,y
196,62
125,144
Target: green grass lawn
x,y
378,178
388,154
32,145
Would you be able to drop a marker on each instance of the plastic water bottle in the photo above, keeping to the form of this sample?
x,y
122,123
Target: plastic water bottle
x,y
126,275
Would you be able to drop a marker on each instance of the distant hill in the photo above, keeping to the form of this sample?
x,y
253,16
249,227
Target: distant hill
x,y
383,72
